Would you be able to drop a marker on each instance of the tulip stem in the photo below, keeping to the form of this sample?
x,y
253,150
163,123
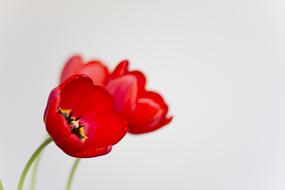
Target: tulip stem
x,y
34,173
31,160
1,186
35,169
71,174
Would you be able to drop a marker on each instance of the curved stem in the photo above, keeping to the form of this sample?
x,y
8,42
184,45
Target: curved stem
x,y
34,173
1,186
35,169
29,163
71,174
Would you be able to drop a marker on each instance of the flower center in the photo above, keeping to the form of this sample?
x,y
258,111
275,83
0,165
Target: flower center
x,y
75,126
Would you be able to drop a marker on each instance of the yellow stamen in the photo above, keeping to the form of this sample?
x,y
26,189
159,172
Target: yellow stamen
x,y
82,134
64,111
74,124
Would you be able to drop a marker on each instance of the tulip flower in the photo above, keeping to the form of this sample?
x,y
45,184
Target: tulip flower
x,y
92,109
144,110
81,119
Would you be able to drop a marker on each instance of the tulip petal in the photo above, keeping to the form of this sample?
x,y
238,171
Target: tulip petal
x,y
121,69
150,114
124,91
96,71
74,90
71,67
104,128
141,81
55,125
98,100
90,152
71,146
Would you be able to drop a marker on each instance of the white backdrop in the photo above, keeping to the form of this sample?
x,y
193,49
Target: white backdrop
x,y
220,65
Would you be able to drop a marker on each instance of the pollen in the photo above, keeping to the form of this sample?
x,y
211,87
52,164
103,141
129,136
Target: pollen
x,y
74,124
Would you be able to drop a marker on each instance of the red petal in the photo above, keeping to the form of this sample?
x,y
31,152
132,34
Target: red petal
x,y
74,90
71,67
150,114
97,101
53,102
97,71
103,129
141,81
72,146
90,152
121,69
124,91
55,124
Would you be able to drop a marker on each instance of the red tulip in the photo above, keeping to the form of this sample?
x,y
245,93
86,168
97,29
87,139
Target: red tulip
x,y
144,110
94,69
81,119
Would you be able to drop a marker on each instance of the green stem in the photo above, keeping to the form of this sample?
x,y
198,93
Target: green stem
x,y
34,173
29,163
1,186
71,174
35,169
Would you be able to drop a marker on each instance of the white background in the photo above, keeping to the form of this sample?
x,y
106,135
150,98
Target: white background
x,y
219,64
